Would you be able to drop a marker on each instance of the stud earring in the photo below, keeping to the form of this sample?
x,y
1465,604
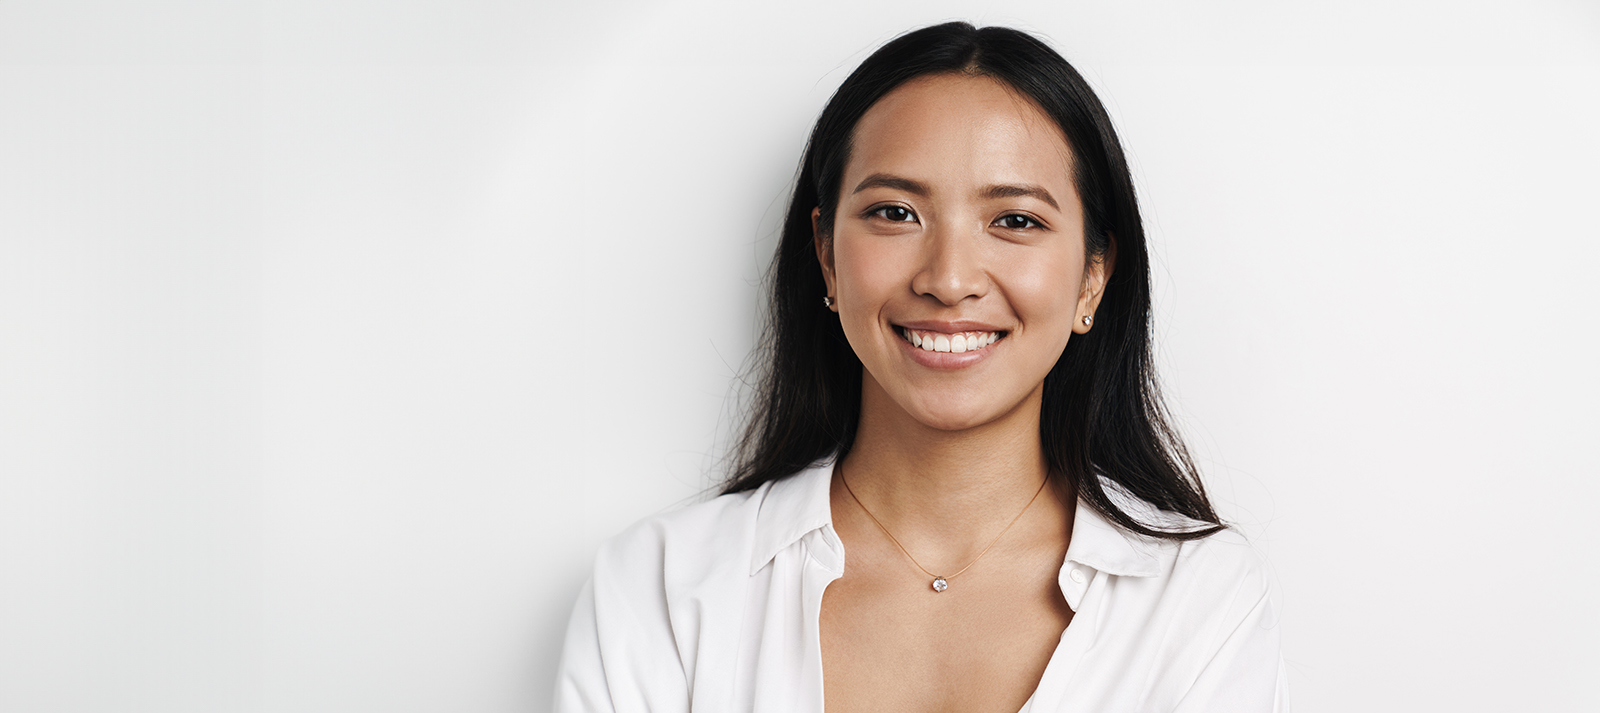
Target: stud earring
x,y
1087,320
827,301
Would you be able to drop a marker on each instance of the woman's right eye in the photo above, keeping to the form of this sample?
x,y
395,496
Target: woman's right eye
x,y
895,213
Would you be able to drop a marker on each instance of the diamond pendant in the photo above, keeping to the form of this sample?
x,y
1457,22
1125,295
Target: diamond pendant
x,y
939,584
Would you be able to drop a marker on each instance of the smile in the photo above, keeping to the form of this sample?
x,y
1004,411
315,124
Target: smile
x,y
957,343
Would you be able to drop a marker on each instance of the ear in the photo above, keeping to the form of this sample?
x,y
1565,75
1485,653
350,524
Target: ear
x,y
824,247
1095,276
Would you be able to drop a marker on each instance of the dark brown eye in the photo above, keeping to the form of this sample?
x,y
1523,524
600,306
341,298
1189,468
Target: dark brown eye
x,y
1017,222
896,214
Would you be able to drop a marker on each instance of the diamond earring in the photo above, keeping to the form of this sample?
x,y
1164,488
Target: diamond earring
x,y
827,301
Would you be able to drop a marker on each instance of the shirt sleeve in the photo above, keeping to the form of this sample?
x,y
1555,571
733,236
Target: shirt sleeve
x,y
1246,675
620,654
581,678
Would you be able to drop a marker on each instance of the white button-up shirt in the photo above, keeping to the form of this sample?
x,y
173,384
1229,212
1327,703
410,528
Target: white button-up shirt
x,y
715,608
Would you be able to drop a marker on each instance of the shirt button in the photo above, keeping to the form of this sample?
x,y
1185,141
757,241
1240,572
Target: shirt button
x,y
1077,576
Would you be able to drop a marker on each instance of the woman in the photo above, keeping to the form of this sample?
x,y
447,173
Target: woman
x,y
957,491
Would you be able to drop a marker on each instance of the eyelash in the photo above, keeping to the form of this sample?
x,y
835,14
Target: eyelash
x,y
1031,222
880,211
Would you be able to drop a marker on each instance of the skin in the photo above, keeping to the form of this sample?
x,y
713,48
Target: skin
x,y
956,209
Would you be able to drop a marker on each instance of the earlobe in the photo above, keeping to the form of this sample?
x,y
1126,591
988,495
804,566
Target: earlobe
x,y
1095,278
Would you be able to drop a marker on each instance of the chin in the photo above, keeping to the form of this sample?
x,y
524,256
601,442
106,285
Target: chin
x,y
941,406
946,419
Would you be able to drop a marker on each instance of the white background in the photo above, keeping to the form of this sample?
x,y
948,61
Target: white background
x,y
335,336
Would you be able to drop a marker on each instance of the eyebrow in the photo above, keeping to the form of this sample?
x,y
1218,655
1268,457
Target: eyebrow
x,y
884,180
1009,190
1020,191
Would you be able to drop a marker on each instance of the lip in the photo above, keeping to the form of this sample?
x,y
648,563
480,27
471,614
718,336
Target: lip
x,y
960,325
947,361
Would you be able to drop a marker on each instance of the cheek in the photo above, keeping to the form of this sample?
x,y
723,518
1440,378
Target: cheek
x,y
864,275
1043,287
860,292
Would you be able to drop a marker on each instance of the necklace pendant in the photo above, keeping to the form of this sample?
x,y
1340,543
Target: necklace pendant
x,y
939,584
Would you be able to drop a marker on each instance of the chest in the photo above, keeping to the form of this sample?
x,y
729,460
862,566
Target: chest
x,y
890,642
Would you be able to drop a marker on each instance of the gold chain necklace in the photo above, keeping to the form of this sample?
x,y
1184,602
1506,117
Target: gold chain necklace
x,y
940,582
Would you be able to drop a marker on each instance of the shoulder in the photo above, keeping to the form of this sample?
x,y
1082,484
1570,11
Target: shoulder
x,y
1222,565
689,540
724,539
1227,570
652,582
1213,605
1225,554
1228,613
1204,622
668,595
628,624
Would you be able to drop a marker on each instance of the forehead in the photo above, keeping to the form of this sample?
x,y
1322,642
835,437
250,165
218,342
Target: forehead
x,y
959,129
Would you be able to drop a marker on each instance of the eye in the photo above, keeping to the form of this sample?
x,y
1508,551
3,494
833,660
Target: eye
x,y
895,214
1016,221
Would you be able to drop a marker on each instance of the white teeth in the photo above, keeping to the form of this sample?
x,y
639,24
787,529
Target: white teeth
x,y
951,343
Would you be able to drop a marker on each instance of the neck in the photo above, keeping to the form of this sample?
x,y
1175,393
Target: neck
x,y
946,490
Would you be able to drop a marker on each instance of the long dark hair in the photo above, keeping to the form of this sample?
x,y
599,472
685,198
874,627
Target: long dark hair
x,y
1101,414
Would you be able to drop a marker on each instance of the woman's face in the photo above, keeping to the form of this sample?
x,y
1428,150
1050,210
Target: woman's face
x,y
956,259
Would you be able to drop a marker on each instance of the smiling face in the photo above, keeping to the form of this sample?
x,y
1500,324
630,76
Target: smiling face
x,y
956,257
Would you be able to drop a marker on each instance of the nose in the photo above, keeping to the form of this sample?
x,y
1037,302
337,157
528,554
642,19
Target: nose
x,y
952,266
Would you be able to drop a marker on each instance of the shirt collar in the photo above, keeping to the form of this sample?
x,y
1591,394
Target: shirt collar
x,y
797,505
1098,543
790,508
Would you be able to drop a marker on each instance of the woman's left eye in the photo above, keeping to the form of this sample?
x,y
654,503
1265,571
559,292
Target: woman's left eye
x,y
1015,221
895,213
